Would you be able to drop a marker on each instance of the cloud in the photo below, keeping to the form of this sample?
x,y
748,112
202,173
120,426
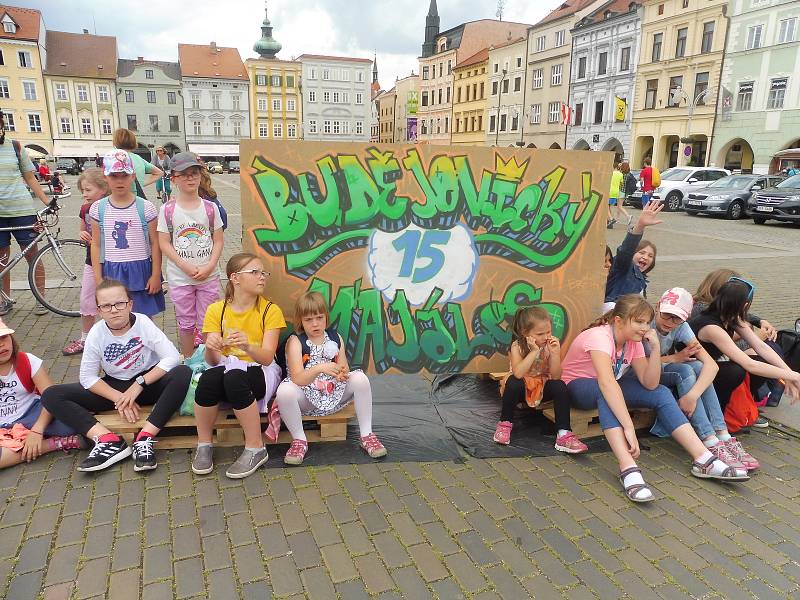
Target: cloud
x,y
358,28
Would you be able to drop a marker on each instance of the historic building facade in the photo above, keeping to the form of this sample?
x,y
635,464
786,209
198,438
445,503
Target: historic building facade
x,y
505,85
469,100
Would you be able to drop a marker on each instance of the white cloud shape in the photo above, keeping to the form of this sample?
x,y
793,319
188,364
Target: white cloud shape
x,y
417,260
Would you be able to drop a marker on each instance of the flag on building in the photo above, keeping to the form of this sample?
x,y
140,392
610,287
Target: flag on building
x,y
621,108
727,102
566,114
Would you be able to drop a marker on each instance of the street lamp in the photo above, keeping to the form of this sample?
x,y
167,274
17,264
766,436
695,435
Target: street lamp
x,y
499,98
692,105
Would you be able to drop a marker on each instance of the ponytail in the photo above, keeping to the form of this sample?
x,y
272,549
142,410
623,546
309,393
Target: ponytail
x,y
235,264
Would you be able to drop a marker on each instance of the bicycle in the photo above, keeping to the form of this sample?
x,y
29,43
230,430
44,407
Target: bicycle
x,y
62,277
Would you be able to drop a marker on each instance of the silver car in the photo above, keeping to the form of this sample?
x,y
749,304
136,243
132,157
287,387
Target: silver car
x,y
728,196
677,182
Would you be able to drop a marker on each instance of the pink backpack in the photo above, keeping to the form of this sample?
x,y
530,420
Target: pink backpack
x,y
169,212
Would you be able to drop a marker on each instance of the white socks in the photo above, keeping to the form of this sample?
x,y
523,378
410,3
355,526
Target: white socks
x,y
717,467
634,478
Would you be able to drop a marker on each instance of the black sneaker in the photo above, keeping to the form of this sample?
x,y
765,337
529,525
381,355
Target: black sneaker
x,y
105,454
144,459
5,307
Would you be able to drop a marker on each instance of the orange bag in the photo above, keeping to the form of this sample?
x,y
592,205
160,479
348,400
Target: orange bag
x,y
534,388
741,410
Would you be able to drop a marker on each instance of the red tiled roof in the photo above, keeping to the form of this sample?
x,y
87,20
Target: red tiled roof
x,y
211,61
567,8
27,20
324,57
504,44
478,57
81,55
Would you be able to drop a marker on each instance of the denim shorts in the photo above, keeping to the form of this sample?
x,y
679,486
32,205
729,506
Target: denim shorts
x,y
23,236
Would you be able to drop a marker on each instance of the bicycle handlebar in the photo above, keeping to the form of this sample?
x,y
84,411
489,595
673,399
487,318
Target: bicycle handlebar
x,y
53,206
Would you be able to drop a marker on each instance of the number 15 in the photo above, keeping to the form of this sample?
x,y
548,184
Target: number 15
x,y
416,244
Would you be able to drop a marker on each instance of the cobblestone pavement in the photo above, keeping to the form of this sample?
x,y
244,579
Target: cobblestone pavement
x,y
506,528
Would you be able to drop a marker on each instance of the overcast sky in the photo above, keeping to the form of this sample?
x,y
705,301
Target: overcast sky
x,y
394,29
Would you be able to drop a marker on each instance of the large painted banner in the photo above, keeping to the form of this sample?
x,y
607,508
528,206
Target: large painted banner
x,y
426,252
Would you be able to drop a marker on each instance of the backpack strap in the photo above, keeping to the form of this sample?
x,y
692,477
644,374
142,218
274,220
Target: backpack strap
x,y
17,149
101,208
209,206
143,219
169,213
23,370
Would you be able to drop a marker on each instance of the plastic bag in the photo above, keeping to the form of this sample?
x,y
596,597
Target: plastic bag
x,y
197,363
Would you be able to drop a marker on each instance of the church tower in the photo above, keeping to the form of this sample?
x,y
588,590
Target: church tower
x,y
431,30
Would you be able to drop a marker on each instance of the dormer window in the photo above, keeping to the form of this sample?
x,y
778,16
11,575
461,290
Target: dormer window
x,y
9,27
443,45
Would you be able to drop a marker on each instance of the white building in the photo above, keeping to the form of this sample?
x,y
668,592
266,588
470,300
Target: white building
x,y
506,93
215,96
605,53
336,98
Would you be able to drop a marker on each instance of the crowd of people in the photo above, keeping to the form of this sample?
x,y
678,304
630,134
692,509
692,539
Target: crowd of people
x,y
684,358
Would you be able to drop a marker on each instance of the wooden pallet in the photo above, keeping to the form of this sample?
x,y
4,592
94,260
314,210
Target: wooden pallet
x,y
227,431
586,424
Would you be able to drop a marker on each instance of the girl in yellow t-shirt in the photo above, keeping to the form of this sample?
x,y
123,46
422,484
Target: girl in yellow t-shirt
x,y
242,337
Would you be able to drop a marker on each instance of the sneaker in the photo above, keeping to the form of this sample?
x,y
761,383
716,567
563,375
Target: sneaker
x,y
610,224
5,307
722,451
761,422
105,454
70,442
742,455
74,347
296,452
571,444
247,463
502,434
373,446
203,461
729,473
144,458
39,309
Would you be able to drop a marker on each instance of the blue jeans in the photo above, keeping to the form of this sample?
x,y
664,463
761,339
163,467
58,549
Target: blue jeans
x,y
707,418
646,199
586,395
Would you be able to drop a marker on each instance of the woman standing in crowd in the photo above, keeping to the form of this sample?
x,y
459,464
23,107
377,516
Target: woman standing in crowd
x,y
163,185
146,173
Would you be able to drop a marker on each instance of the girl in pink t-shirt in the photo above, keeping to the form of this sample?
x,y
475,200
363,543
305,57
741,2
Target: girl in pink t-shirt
x,y
595,370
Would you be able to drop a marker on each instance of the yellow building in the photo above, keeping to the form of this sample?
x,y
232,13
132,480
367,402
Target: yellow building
x,y
469,101
22,93
387,104
677,81
275,105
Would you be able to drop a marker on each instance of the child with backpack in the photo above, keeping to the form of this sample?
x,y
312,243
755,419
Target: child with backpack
x,y
27,429
319,380
190,236
650,178
93,187
124,238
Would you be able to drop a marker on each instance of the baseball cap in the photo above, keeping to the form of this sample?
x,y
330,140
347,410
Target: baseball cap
x,y
117,161
5,329
183,160
676,301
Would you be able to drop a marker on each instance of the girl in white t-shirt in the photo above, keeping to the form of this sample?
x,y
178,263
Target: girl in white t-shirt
x,y
28,430
595,372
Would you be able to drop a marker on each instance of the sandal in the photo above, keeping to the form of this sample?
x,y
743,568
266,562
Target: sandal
x,y
632,490
703,471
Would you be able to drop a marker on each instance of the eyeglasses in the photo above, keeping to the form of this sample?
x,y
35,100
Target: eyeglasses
x,y
116,305
670,318
751,288
189,174
259,272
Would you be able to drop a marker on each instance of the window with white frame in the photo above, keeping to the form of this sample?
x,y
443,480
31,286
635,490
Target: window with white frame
x,y
215,97
34,123
172,98
217,127
787,30
195,100
261,79
359,98
24,59
4,91
174,125
326,126
132,123
553,112
754,36
83,92
337,129
148,73
537,79
29,90
519,62
236,101
86,124
151,96
536,114
61,92
359,76
197,127
105,126
744,95
345,74
129,96
277,130
10,125
336,98
326,74
291,106
102,94
291,130
561,37
312,73
275,80
276,105
359,127
66,125
777,91
263,129
9,26
555,75
346,127
312,96
262,104
237,128
492,123
312,126
541,43
326,96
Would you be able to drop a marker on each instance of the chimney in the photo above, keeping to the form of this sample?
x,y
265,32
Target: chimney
x,y
213,46
86,32
140,58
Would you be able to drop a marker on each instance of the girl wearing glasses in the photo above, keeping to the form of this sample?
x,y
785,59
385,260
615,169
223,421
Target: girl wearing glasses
x,y
141,368
716,326
242,334
593,370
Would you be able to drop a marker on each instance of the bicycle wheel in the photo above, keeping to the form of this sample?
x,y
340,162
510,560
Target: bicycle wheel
x,y
63,263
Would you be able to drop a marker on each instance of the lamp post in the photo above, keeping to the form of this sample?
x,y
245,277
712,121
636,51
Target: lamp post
x,y
499,98
692,105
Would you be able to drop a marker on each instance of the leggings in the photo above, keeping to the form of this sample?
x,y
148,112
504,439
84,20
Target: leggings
x,y
731,376
554,389
74,405
237,387
292,404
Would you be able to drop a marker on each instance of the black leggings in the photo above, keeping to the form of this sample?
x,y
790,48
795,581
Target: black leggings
x,y
237,387
74,405
554,389
730,377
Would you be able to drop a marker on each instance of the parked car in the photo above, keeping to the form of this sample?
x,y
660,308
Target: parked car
x,y
728,196
233,166
677,182
68,165
214,167
88,164
780,202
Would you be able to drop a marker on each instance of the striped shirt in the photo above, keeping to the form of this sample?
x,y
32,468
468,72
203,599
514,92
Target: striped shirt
x,y
15,199
123,233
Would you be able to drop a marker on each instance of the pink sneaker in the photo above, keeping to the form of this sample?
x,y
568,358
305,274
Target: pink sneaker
x,y
372,446
722,452
296,452
502,435
570,443
74,347
742,455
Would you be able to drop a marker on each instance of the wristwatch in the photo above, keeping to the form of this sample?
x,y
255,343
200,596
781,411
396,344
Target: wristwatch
x,y
140,380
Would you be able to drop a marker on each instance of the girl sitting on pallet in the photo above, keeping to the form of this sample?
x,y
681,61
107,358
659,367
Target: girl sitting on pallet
x,y
535,377
320,381
595,371
141,368
242,337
